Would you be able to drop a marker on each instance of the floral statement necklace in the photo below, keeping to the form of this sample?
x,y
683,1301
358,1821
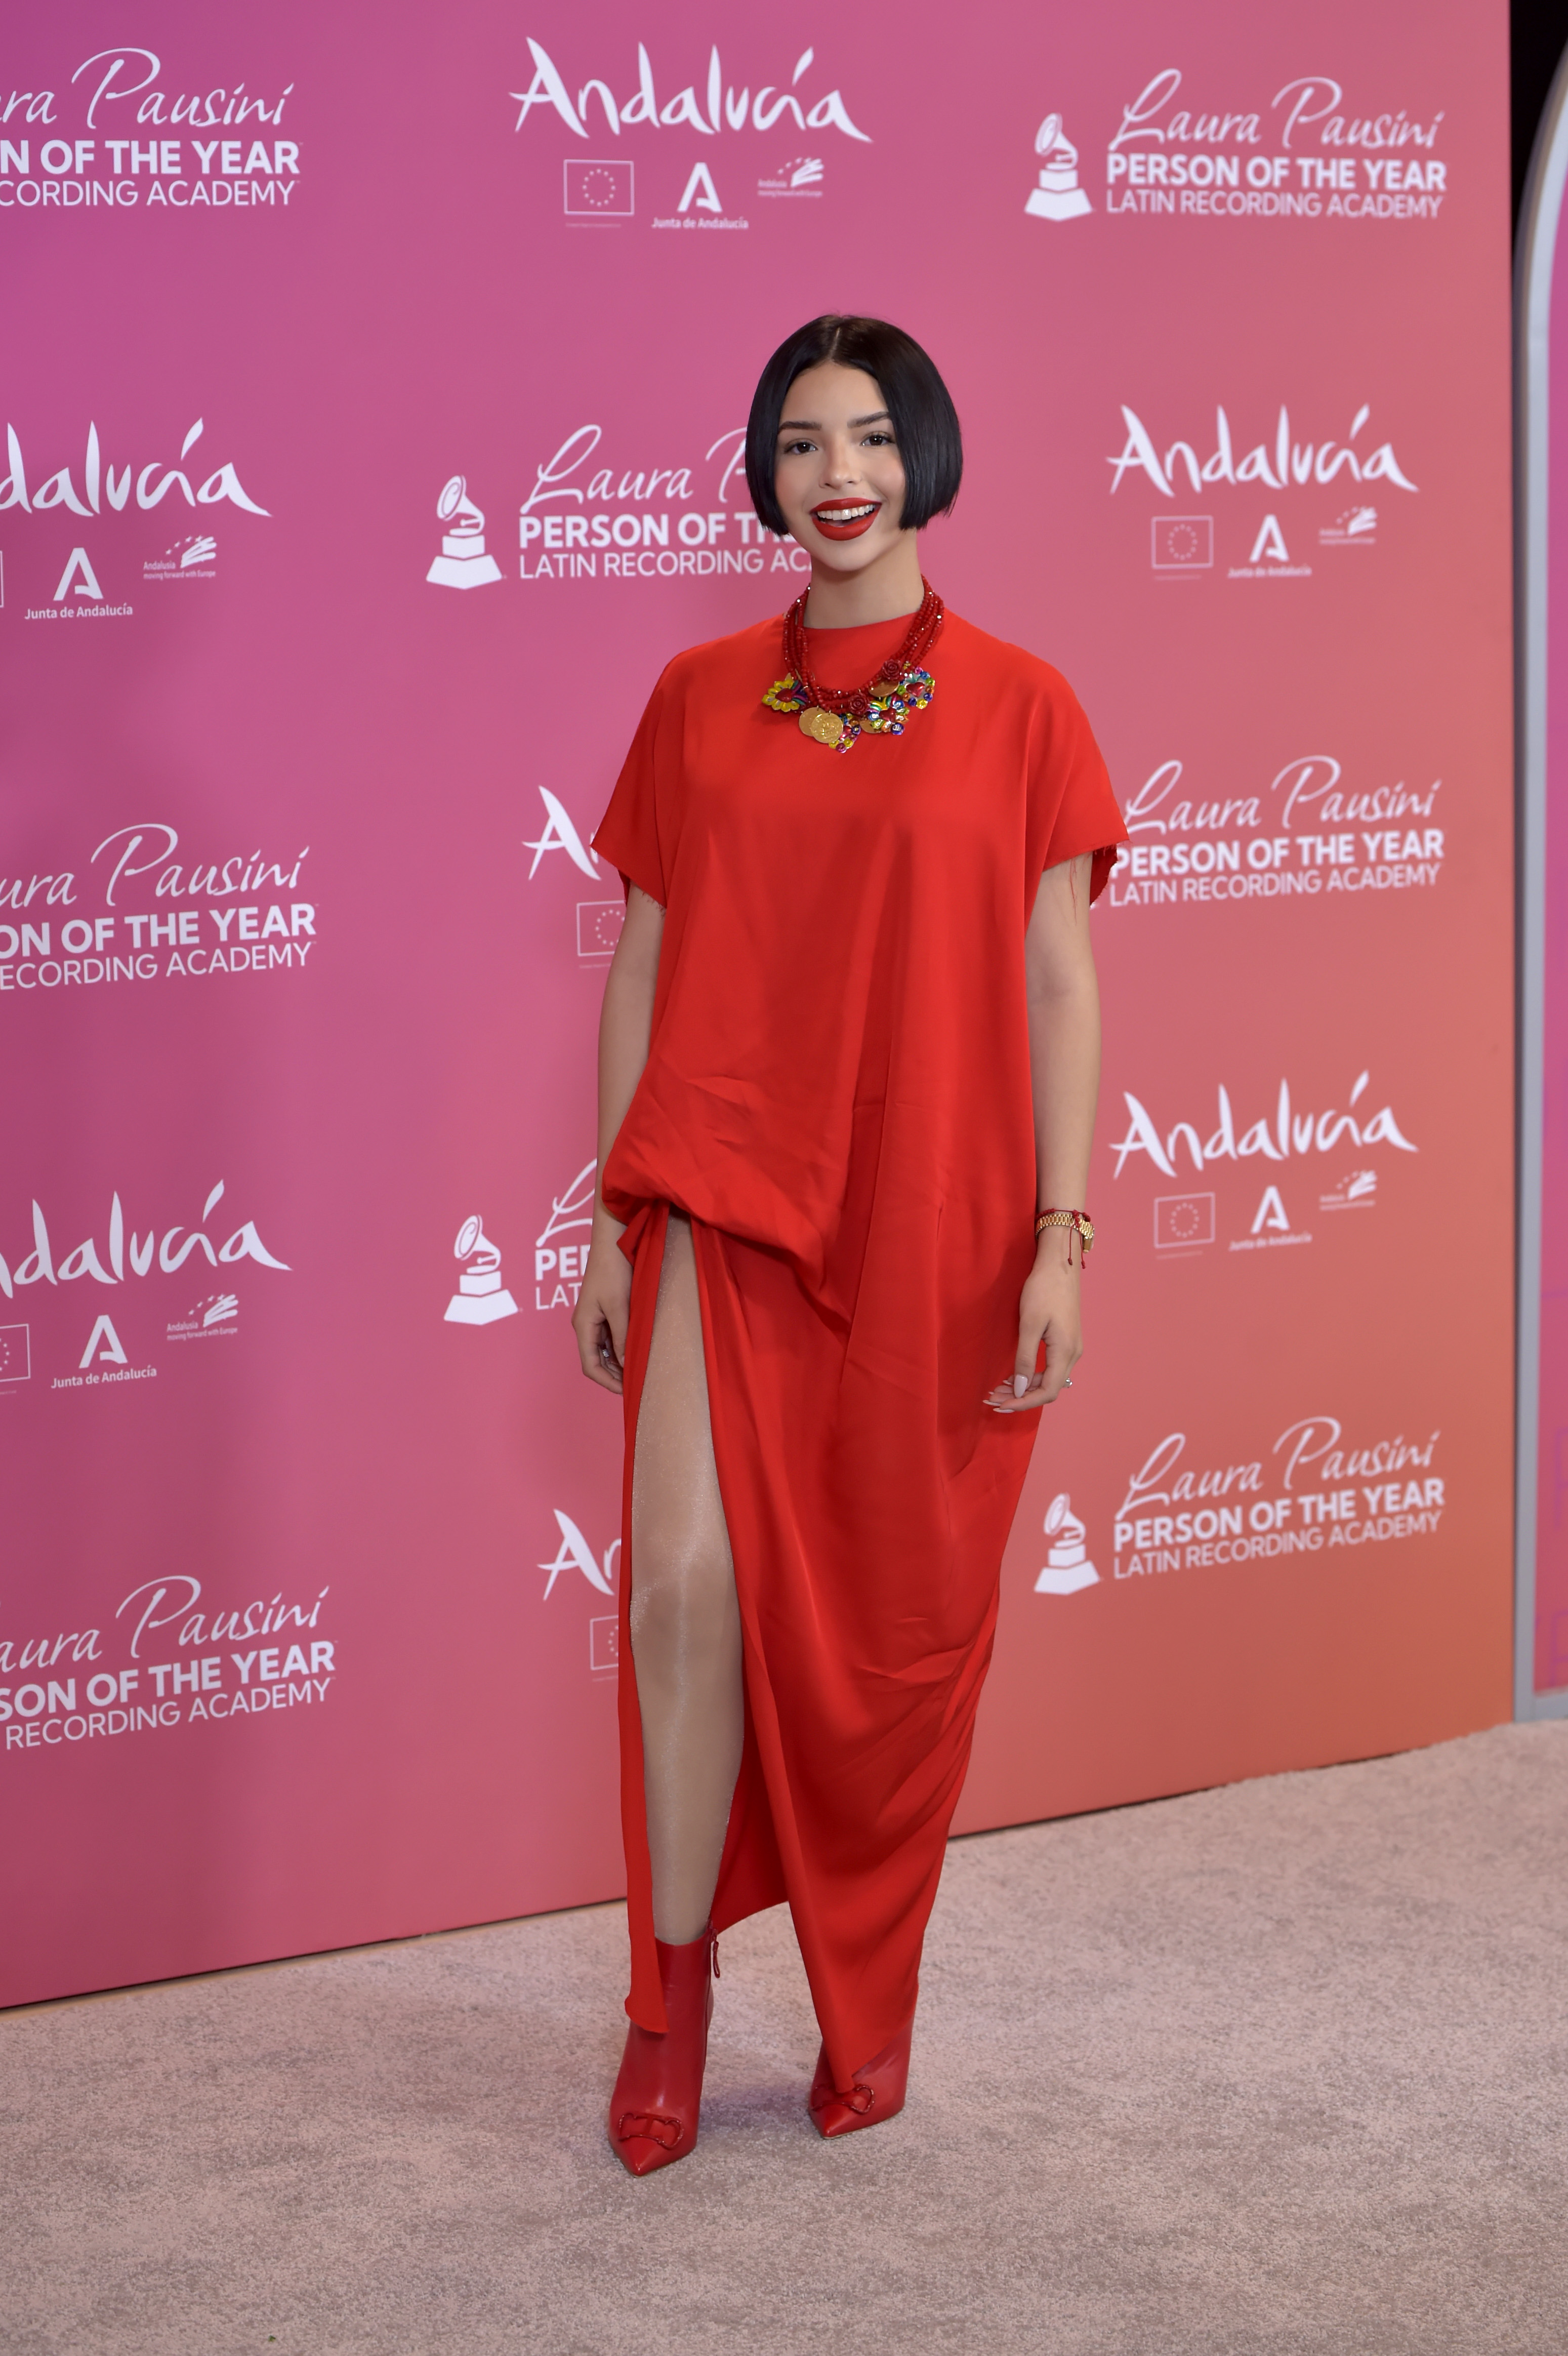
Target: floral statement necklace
x,y
834,716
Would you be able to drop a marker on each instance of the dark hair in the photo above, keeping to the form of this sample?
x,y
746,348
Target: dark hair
x,y
920,405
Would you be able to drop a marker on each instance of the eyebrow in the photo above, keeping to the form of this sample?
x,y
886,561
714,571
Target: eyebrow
x,y
813,425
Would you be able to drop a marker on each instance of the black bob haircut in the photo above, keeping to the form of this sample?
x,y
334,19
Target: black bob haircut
x,y
924,422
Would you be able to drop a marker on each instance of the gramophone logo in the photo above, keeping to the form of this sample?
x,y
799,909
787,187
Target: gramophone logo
x,y
1067,1566
1058,196
480,1298
463,564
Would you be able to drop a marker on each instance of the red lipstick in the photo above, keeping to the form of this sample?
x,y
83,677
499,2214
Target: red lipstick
x,y
846,518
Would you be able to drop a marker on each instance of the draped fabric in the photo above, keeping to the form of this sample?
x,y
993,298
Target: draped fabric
x,y
837,1095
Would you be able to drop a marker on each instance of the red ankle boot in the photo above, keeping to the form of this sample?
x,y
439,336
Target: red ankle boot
x,y
876,2092
653,2111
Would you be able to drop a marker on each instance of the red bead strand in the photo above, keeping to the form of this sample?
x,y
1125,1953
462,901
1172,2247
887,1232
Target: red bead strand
x,y
855,702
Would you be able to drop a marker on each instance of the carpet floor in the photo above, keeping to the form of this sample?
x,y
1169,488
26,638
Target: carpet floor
x,y
1268,2071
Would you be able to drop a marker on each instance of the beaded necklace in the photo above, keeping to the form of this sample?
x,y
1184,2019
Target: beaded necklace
x,y
834,716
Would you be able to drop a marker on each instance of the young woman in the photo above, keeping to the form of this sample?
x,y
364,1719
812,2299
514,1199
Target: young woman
x,y
848,1066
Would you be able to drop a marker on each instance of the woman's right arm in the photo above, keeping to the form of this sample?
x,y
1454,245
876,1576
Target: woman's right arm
x,y
599,1320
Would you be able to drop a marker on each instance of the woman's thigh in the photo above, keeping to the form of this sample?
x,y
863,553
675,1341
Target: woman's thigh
x,y
680,1547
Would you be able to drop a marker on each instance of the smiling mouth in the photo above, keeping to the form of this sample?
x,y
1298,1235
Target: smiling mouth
x,y
846,518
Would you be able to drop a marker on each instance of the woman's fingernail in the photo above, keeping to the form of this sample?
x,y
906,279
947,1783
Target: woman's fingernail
x,y
1020,1385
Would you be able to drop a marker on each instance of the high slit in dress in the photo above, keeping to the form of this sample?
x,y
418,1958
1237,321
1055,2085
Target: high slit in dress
x,y
838,1095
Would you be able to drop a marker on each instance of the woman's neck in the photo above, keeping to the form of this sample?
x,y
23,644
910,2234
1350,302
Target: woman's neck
x,y
882,591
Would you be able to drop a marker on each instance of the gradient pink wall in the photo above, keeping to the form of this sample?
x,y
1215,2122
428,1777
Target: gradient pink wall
x,y
423,268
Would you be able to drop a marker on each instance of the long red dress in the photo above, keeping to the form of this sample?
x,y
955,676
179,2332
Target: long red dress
x,y
838,1093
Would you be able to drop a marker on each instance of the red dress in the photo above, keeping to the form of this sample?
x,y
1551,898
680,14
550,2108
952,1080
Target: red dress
x,y
838,1093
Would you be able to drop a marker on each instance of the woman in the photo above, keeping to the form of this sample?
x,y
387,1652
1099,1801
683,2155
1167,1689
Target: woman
x,y
848,1053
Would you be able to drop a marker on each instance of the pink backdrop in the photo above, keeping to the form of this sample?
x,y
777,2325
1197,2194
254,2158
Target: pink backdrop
x,y
308,1587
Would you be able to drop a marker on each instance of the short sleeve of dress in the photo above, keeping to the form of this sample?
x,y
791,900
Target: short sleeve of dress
x,y
628,833
1071,808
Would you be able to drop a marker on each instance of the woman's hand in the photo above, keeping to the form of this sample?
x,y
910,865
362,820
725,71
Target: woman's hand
x,y
604,1305
1047,1312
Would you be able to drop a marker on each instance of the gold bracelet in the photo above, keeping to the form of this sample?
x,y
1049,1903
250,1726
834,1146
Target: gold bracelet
x,y
1078,1220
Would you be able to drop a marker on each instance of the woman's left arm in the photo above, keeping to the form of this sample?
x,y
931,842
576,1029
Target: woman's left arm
x,y
1064,1062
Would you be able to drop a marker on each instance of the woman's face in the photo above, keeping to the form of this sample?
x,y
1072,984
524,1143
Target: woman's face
x,y
838,477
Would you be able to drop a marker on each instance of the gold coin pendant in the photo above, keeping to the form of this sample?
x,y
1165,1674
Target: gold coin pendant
x,y
824,727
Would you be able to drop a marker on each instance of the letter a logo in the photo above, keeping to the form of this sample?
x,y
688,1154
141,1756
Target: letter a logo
x,y
1270,1213
104,1332
1270,543
700,187
576,1554
87,584
560,834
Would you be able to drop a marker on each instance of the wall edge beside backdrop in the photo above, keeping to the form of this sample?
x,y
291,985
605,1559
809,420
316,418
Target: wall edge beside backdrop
x,y
1539,225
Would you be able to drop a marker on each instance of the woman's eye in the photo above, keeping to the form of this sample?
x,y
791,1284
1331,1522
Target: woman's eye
x,y
881,438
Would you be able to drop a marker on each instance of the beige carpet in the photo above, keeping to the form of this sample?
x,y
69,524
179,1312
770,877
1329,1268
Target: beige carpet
x,y
1262,2072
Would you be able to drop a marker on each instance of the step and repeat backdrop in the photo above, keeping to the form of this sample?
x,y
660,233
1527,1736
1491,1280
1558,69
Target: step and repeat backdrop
x,y
373,397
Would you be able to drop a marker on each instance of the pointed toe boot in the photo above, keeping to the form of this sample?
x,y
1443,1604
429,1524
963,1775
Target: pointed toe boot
x,y
875,2094
659,2092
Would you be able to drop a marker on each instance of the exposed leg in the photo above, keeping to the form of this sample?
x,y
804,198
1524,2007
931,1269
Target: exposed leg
x,y
685,1620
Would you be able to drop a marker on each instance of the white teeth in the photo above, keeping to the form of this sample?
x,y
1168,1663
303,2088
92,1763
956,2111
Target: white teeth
x,y
846,515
